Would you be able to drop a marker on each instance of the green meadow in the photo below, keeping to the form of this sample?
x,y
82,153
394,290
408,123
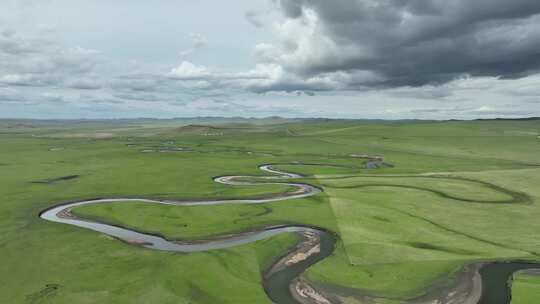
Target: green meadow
x,y
454,193
525,288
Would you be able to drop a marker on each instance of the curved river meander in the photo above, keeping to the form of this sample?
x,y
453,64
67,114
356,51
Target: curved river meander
x,y
283,280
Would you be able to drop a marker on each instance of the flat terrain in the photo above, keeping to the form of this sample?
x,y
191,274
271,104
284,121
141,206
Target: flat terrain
x,y
447,194
526,288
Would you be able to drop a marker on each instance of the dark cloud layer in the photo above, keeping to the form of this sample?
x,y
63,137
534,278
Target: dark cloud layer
x,y
416,42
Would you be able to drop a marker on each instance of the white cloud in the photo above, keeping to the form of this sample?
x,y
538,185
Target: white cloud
x,y
187,70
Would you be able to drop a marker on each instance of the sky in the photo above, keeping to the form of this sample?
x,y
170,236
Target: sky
x,y
369,59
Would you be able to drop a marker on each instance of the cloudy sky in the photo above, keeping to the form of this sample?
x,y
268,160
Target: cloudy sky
x,y
390,59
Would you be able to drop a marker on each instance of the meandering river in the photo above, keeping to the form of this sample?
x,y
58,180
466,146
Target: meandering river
x,y
283,281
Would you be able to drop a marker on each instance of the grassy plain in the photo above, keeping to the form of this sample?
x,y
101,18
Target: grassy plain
x,y
401,228
525,288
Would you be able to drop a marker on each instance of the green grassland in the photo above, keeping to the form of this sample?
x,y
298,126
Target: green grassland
x,y
525,288
459,192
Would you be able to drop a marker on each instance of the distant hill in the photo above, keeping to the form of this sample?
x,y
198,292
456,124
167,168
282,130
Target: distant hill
x,y
510,119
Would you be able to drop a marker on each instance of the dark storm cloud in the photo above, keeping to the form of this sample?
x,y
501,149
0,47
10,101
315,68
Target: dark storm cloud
x,y
416,42
290,86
